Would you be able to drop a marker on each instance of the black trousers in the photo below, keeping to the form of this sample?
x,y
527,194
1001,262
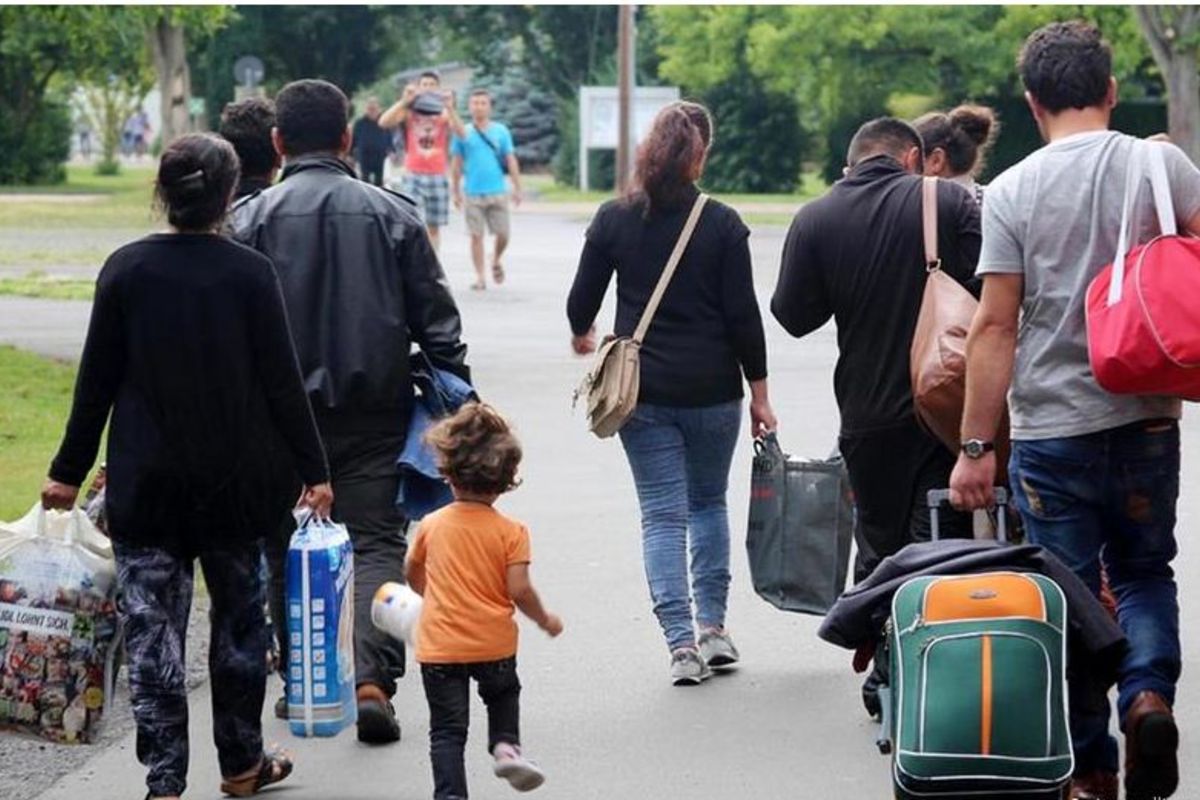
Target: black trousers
x,y
365,483
157,594
447,690
372,172
891,471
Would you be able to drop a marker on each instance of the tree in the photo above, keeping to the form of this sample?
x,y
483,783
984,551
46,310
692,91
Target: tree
x,y
346,45
166,30
1173,33
845,64
41,48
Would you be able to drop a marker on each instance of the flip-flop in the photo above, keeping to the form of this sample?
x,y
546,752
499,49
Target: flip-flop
x,y
478,286
498,273
273,768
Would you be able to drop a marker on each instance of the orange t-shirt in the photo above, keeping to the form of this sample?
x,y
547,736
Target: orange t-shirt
x,y
466,549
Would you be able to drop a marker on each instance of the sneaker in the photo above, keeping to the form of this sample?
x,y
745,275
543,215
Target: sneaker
x,y
281,708
688,668
716,648
521,773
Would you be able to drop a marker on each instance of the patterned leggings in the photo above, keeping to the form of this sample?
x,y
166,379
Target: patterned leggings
x,y
157,588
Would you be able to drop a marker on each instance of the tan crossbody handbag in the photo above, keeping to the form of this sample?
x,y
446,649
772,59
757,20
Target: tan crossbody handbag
x,y
938,357
612,385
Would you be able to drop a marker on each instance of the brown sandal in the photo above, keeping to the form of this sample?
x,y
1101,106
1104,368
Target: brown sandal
x,y
273,768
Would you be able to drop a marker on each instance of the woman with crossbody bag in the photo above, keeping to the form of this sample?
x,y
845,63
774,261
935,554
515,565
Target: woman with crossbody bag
x,y
686,308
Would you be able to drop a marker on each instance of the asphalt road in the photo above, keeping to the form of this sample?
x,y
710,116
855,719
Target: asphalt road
x,y
599,713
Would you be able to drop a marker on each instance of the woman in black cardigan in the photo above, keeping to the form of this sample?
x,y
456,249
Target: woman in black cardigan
x,y
189,350
706,336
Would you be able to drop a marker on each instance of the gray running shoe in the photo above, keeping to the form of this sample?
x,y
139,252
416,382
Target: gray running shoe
x,y
688,668
717,650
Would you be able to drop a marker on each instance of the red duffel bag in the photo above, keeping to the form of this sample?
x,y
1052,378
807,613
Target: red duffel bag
x,y
1143,310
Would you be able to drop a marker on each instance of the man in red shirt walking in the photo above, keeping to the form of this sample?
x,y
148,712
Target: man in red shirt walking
x,y
428,116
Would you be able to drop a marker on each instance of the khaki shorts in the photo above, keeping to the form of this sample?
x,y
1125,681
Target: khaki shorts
x,y
490,211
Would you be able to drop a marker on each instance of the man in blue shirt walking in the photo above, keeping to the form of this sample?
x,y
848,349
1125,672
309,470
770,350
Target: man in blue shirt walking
x,y
486,156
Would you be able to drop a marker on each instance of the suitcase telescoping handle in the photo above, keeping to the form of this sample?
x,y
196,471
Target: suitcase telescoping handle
x,y
937,497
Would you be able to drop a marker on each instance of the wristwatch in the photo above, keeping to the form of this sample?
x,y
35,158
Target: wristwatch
x,y
975,448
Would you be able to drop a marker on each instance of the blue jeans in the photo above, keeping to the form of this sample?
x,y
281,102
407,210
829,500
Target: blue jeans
x,y
680,459
1108,499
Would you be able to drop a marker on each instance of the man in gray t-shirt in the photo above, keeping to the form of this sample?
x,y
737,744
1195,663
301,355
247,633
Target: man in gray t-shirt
x,y
1094,475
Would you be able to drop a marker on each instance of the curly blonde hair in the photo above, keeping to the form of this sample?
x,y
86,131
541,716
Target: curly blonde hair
x,y
477,450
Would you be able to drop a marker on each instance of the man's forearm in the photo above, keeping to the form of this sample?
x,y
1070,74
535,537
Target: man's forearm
x,y
514,171
394,115
991,347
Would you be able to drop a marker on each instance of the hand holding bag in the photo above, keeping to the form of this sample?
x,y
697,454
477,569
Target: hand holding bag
x,y
1143,310
612,385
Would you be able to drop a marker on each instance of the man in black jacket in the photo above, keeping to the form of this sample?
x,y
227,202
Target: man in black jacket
x,y
362,284
857,254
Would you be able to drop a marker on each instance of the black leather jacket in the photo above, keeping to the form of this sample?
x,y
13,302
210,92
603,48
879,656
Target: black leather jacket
x,y
362,284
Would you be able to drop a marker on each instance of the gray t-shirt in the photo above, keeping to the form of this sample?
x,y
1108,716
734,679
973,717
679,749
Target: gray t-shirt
x,y
1054,218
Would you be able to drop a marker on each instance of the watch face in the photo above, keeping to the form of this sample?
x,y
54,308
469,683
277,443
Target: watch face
x,y
973,448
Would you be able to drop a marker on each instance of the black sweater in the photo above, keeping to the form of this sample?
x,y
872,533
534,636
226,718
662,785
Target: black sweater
x,y
858,255
708,330
189,349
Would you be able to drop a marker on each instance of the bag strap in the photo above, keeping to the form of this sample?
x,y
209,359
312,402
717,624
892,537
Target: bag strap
x,y
929,220
1151,154
681,244
491,145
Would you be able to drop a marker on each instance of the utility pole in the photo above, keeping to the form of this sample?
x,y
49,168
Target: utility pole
x,y
625,87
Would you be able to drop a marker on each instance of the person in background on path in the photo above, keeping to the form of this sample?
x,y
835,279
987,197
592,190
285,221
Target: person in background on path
x,y
329,236
370,144
427,126
486,155
140,132
957,142
470,562
191,413
706,336
1095,475
247,125
84,130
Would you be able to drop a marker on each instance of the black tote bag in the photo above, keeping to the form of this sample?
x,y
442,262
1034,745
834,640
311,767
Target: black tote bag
x,y
800,529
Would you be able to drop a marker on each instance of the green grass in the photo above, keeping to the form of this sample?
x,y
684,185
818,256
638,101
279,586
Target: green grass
x,y
33,415
550,192
125,202
36,284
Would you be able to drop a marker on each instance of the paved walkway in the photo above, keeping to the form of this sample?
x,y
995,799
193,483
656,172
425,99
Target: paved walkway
x,y
598,711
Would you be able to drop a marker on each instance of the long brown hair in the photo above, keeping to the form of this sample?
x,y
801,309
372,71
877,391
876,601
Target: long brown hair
x,y
681,134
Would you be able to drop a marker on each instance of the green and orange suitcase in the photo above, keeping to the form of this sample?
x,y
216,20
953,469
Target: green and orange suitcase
x,y
978,687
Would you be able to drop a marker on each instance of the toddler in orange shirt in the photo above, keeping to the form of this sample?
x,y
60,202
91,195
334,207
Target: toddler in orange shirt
x,y
471,565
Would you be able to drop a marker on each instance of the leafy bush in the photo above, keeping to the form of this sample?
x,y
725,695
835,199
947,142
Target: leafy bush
x,y
108,167
37,154
758,144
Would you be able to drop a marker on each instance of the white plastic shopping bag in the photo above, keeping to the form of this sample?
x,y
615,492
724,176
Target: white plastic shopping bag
x,y
58,625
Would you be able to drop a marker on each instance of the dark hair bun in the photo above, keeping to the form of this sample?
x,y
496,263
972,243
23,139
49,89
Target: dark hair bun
x,y
196,178
977,122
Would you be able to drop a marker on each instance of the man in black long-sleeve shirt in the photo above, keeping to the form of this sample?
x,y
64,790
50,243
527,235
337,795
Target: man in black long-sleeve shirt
x,y
362,284
857,255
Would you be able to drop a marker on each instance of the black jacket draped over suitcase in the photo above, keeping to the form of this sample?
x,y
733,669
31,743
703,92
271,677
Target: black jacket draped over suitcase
x,y
1095,643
